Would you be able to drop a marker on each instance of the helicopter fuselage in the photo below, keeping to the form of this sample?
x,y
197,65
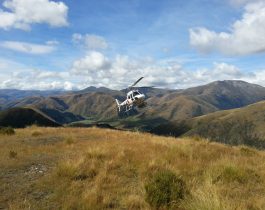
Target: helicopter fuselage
x,y
134,98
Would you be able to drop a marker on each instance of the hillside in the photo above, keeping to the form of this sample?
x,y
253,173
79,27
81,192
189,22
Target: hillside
x,y
244,125
237,126
74,168
228,94
254,113
22,117
197,101
89,104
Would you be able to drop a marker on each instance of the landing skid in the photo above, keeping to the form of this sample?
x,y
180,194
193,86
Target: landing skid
x,y
127,112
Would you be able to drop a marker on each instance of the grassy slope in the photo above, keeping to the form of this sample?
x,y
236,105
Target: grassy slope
x,y
74,168
254,113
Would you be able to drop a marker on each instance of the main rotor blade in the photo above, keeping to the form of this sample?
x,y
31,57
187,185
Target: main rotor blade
x,y
146,87
137,81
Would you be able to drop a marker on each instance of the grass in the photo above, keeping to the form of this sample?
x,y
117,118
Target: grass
x,y
91,168
7,131
165,189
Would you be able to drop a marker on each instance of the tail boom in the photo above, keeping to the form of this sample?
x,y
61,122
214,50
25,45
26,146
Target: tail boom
x,y
118,104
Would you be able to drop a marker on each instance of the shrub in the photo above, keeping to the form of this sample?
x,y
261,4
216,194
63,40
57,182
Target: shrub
x,y
36,133
230,174
247,151
67,170
69,140
235,174
12,154
165,189
206,197
197,138
76,172
7,131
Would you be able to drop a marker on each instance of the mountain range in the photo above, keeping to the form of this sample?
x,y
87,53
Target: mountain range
x,y
164,106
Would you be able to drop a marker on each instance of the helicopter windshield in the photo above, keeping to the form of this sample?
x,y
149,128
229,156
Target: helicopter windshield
x,y
135,93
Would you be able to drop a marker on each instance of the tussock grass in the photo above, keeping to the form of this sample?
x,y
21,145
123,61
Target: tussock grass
x,y
69,140
108,169
12,154
36,133
7,131
165,189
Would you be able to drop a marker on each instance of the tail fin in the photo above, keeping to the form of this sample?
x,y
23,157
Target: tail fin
x,y
118,104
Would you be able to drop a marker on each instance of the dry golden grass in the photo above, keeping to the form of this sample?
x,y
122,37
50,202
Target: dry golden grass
x,y
79,168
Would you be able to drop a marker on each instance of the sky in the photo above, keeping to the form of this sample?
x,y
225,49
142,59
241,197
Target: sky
x,y
65,44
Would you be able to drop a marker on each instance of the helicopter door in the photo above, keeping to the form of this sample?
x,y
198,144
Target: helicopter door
x,y
135,94
130,97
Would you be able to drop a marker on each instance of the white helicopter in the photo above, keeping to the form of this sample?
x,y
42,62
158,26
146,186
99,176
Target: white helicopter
x,y
134,99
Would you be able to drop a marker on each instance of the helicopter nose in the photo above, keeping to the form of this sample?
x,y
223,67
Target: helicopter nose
x,y
142,96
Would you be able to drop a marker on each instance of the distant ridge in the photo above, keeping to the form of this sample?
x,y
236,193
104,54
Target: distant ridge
x,y
201,100
99,104
10,95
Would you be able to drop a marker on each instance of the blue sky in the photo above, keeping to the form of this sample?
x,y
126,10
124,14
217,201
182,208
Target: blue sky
x,y
67,44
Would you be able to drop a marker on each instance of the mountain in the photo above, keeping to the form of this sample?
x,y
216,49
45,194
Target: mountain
x,y
197,101
93,89
88,104
228,94
11,95
98,104
22,117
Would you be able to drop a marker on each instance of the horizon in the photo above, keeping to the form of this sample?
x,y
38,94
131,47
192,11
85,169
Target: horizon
x,y
74,90
61,45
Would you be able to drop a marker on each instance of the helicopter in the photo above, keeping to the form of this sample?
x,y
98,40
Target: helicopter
x,y
134,99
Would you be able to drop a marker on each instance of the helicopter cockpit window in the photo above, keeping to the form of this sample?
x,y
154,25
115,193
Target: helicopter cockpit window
x,y
135,93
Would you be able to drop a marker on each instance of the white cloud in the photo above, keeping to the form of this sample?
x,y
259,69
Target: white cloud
x,y
19,76
120,72
247,35
22,13
90,41
52,42
29,48
243,2
76,38
27,80
93,61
